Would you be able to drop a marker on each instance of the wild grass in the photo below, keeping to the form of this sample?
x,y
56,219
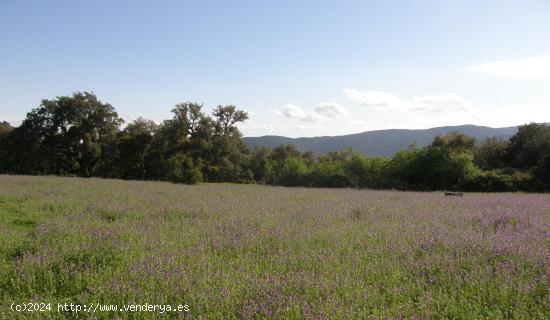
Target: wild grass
x,y
248,251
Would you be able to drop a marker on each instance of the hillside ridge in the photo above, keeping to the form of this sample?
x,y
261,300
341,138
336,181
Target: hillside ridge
x,y
385,142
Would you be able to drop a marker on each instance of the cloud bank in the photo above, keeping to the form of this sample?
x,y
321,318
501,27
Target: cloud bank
x,y
322,111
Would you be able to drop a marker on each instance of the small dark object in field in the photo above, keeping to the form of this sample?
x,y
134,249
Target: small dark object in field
x,y
454,194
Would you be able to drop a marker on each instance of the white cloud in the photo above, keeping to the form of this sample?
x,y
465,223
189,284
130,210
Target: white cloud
x,y
322,111
441,103
291,111
330,110
389,102
527,68
311,116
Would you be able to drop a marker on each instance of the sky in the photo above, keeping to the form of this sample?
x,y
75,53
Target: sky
x,y
299,68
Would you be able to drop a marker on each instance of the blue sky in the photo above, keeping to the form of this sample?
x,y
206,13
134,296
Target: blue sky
x,y
301,68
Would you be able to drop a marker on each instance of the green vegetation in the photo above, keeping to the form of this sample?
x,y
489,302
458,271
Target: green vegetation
x,y
81,136
248,251
450,162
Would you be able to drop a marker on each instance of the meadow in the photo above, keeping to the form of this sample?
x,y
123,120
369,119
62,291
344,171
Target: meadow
x,y
249,251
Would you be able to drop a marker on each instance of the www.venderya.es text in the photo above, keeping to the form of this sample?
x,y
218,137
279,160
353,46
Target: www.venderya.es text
x,y
97,307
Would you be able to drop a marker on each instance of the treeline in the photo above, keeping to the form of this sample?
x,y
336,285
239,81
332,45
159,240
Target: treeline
x,y
451,162
79,135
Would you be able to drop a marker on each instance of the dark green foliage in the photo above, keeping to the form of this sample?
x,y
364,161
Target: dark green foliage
x,y
499,181
68,135
490,153
330,174
447,162
227,117
5,129
451,162
333,171
261,164
438,169
403,169
454,142
542,172
79,135
278,157
134,145
182,169
293,173
529,146
369,172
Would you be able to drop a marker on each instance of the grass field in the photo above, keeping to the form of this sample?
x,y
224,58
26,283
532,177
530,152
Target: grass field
x,y
248,251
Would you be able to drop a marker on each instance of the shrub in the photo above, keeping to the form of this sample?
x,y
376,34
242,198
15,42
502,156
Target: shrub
x,y
293,173
181,169
499,181
330,174
542,173
367,172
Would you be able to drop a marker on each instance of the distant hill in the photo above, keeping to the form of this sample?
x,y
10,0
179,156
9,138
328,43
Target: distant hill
x,y
378,142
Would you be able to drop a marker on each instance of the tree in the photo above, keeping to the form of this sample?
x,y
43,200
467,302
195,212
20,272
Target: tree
x,y
367,172
500,180
183,127
182,169
278,157
455,142
261,165
529,146
23,152
76,129
134,145
229,155
284,151
79,135
330,174
542,172
183,134
436,167
294,172
490,153
187,119
441,169
227,117
446,163
404,169
308,157
215,143
5,129
70,134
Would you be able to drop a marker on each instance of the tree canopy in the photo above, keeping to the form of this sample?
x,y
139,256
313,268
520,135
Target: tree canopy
x,y
82,136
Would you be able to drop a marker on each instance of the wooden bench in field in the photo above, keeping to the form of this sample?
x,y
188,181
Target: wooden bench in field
x,y
454,194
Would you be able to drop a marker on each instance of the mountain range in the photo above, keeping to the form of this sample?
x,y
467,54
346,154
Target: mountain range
x,y
378,142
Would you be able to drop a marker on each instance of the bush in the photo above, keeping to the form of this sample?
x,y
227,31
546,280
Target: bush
x,y
331,174
368,172
293,173
499,181
542,173
181,169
